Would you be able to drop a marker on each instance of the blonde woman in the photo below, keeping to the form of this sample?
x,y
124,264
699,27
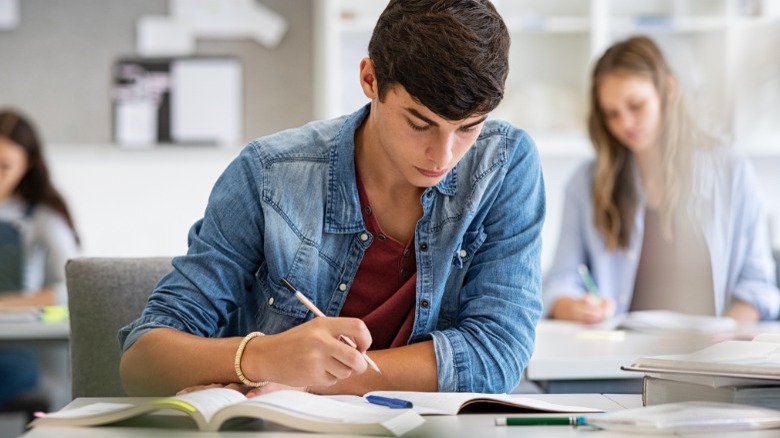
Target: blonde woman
x,y
666,217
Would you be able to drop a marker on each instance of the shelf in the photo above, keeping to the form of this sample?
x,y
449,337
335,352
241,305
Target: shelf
x,y
543,24
722,51
651,24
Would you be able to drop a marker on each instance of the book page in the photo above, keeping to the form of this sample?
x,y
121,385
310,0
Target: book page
x,y
710,380
663,321
205,403
92,415
450,403
199,405
316,413
767,337
690,417
738,358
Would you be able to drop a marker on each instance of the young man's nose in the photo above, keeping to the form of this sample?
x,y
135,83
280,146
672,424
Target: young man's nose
x,y
440,153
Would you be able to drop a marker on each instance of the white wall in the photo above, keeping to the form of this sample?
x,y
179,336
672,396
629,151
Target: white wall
x,y
136,202
143,202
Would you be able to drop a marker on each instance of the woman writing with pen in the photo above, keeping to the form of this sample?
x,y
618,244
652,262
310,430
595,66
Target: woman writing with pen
x,y
666,217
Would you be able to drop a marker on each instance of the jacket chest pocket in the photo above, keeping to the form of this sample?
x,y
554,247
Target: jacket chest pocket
x,y
465,251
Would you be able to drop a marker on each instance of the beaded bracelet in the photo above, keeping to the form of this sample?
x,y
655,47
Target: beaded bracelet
x,y
240,353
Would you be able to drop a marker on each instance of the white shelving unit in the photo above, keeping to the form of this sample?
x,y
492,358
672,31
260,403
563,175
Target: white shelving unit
x,y
726,54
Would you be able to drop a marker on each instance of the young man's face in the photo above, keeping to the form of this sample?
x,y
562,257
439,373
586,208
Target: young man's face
x,y
419,146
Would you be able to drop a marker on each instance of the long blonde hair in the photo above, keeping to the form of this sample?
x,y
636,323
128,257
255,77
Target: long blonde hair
x,y
615,194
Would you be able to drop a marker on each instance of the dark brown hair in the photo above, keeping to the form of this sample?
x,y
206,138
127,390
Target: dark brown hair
x,y
35,187
450,55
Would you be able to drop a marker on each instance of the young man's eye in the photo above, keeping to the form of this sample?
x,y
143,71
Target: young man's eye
x,y
417,127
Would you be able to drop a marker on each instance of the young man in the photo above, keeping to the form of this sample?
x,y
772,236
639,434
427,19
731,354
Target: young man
x,y
413,223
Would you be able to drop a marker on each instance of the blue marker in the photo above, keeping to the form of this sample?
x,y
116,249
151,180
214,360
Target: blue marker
x,y
395,403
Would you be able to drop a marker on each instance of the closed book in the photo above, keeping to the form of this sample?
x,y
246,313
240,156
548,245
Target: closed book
x,y
660,390
756,359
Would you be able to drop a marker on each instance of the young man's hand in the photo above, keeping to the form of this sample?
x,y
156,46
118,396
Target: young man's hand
x,y
310,354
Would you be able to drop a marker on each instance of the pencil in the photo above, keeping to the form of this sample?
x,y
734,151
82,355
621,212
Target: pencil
x,y
309,305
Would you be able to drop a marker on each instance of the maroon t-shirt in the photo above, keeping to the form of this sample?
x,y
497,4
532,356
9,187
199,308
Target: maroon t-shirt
x,y
384,289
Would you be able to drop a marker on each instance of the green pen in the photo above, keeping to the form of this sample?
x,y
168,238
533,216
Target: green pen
x,y
541,421
590,283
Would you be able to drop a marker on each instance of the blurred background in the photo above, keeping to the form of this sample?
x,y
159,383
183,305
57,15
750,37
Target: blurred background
x,y
141,104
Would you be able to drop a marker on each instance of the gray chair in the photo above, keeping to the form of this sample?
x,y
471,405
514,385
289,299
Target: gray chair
x,y
104,294
776,254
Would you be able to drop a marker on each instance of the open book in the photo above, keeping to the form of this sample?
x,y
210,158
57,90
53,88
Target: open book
x,y
211,408
452,403
664,321
756,359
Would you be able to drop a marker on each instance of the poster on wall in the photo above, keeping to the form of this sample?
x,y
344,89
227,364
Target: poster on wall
x,y
190,100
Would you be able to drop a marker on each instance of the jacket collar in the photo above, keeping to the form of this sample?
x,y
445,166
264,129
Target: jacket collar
x,y
342,211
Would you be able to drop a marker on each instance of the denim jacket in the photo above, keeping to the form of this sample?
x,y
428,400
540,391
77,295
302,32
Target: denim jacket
x,y
726,205
288,206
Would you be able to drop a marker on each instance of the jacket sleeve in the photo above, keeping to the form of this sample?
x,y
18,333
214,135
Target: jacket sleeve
x,y
562,278
499,302
751,257
208,289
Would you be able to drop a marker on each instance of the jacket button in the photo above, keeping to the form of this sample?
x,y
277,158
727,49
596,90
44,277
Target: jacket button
x,y
424,246
343,287
463,253
364,237
424,303
271,301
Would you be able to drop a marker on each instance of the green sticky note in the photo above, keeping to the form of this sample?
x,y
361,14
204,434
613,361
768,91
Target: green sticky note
x,y
54,314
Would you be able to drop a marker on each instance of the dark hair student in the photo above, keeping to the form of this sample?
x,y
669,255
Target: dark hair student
x,y
413,225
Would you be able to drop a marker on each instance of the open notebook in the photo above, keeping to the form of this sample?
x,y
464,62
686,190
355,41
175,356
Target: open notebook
x,y
453,403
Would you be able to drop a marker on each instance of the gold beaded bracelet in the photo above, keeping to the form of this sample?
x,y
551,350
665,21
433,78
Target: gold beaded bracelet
x,y
240,353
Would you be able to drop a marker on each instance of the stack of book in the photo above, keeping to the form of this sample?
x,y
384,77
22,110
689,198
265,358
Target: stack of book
x,y
744,372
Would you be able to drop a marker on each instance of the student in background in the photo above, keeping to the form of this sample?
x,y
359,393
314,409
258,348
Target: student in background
x,y
37,237
666,217
413,223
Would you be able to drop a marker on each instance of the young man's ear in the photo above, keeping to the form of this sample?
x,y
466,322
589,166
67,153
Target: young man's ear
x,y
368,78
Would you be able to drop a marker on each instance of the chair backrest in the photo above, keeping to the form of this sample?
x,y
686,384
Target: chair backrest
x,y
776,254
105,294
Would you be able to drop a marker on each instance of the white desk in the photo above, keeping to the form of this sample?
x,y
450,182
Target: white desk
x,y
34,332
574,358
465,425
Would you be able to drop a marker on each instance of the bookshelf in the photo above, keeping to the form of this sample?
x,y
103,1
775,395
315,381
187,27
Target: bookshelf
x,y
723,51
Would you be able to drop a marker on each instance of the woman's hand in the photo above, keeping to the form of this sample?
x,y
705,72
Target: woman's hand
x,y
743,312
587,309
